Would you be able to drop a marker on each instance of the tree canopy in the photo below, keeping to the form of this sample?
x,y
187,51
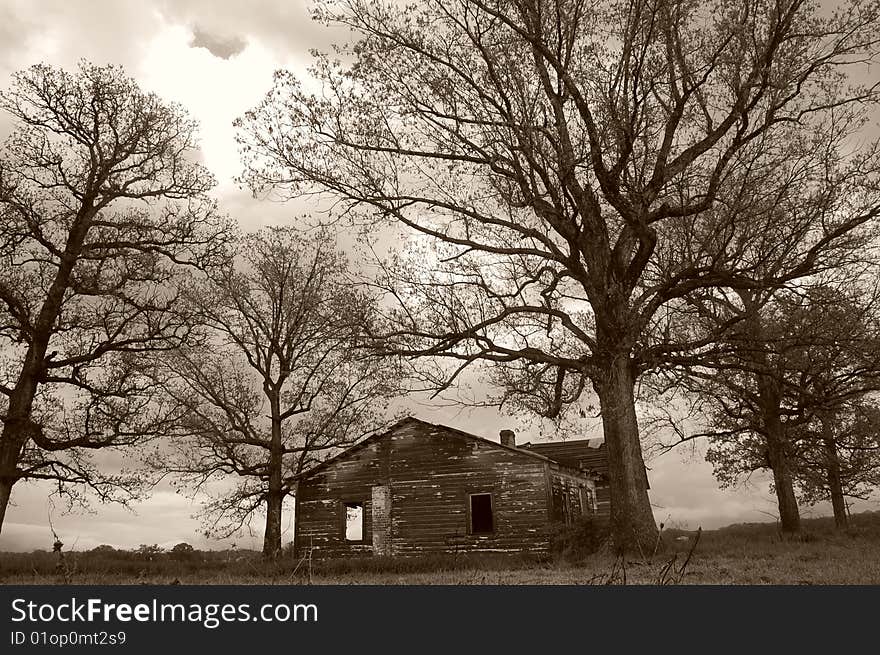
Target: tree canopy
x,y
103,206
280,379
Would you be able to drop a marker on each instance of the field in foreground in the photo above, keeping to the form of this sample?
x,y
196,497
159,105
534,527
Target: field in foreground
x,y
739,554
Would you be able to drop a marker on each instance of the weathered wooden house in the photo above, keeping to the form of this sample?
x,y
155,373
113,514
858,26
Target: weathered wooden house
x,y
421,488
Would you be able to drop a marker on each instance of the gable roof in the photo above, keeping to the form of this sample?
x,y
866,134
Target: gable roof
x,y
411,419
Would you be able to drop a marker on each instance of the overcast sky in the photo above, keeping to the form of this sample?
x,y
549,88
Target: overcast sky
x,y
217,59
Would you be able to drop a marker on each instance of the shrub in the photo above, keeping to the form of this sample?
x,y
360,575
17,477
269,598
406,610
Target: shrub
x,y
149,553
577,540
182,551
103,548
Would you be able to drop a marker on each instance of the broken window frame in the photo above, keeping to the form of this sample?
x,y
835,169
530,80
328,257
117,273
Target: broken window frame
x,y
588,500
557,502
470,513
345,505
574,502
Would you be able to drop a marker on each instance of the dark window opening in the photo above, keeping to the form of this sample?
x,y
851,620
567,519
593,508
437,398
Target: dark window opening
x,y
354,521
481,514
558,503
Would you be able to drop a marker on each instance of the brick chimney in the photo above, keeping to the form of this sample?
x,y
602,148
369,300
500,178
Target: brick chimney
x,y
508,438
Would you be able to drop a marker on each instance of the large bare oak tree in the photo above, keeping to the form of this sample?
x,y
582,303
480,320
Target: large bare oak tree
x,y
544,147
102,207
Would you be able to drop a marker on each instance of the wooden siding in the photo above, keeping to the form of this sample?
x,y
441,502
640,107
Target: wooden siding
x,y
567,497
582,455
430,472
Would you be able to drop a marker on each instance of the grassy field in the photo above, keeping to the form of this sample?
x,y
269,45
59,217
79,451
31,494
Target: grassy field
x,y
738,554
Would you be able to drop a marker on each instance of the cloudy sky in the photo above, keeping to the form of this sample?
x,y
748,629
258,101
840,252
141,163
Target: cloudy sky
x,y
217,59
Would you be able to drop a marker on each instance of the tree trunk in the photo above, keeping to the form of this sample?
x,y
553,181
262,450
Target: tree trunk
x,y
777,458
272,538
275,494
5,494
789,514
832,469
17,424
632,520
12,441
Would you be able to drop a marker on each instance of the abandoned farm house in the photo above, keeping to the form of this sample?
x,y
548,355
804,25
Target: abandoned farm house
x,y
418,488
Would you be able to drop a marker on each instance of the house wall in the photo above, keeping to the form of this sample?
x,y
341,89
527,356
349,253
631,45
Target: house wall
x,y
430,473
569,500
581,455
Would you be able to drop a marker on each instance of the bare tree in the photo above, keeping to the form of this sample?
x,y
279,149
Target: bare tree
x,y
836,375
544,148
793,361
102,207
281,380
840,457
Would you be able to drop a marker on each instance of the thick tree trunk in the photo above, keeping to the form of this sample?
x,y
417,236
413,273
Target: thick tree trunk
x,y
632,521
275,493
777,457
789,514
832,469
17,424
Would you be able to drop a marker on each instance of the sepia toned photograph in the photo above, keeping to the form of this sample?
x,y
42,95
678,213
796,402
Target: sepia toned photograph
x,y
440,292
